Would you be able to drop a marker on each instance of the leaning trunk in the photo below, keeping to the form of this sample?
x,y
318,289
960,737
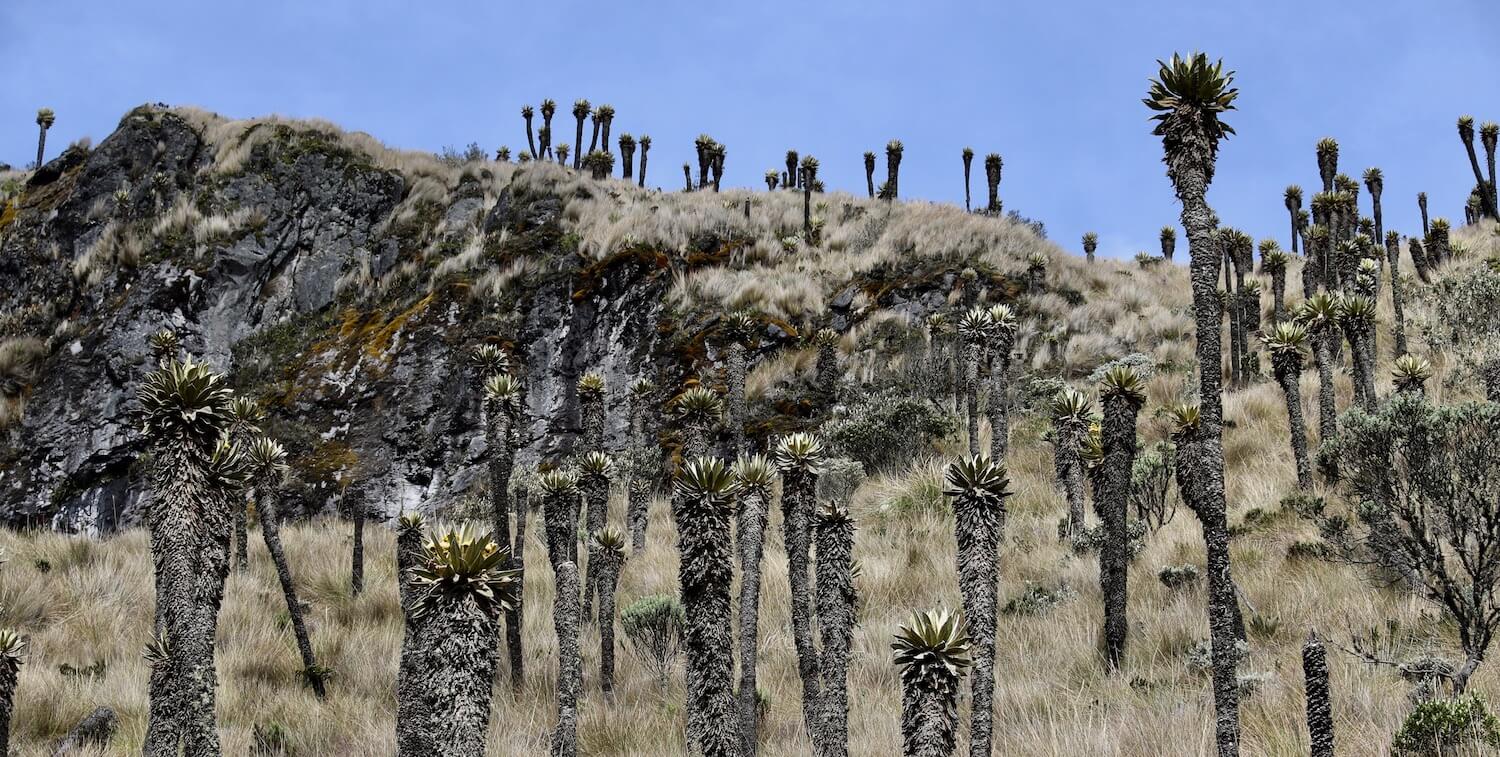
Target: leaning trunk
x,y
1288,374
270,530
1188,168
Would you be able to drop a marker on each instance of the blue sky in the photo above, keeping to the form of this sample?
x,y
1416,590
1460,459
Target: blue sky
x,y
1053,87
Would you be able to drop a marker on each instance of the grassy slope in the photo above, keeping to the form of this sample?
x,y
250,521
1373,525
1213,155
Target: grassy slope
x,y
1052,696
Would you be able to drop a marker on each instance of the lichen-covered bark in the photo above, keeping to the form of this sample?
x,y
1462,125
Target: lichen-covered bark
x,y
1288,369
560,510
161,728
977,529
595,493
752,535
609,576
1111,500
706,571
1319,706
929,721
241,550
191,516
412,739
1190,156
638,494
798,491
569,662
9,675
735,367
971,392
999,404
1196,479
835,630
515,615
270,530
1398,300
458,649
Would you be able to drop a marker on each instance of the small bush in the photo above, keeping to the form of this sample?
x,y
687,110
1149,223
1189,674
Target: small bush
x,y
1304,505
1177,576
1037,599
1307,550
1438,726
1092,539
884,430
653,625
839,479
271,741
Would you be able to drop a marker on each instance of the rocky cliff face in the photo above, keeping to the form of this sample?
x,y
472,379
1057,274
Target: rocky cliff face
x,y
343,285
261,251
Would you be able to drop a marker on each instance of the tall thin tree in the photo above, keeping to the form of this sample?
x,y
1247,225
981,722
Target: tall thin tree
x,y
1189,96
836,598
800,457
756,476
703,495
979,487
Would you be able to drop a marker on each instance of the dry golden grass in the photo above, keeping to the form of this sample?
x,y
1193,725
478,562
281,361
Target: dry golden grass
x,y
1053,696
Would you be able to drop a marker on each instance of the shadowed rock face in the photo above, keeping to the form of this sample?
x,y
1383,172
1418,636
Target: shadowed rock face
x,y
373,388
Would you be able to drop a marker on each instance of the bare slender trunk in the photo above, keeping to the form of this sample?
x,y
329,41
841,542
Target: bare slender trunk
x,y
569,662
798,488
270,531
835,629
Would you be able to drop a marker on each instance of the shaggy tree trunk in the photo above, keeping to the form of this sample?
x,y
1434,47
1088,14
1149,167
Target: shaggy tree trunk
x,y
192,517
752,535
9,675
968,166
560,511
641,180
1070,475
705,573
569,662
978,527
999,405
1188,168
797,493
458,647
735,366
1196,476
1234,311
1288,374
1111,501
827,372
1319,708
1328,425
609,578
971,392
1393,258
835,630
357,568
929,720
515,616
1278,295
162,733
595,490
636,511
412,737
1362,345
270,530
241,549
